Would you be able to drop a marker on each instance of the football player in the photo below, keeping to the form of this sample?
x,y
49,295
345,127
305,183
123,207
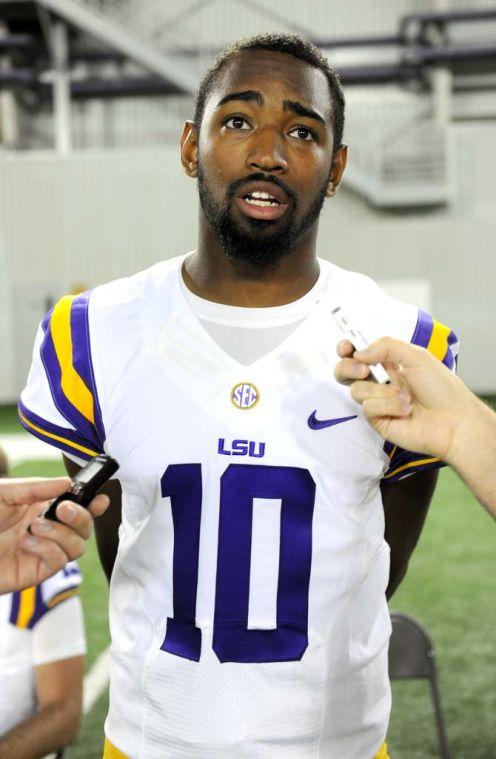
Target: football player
x,y
248,609
42,648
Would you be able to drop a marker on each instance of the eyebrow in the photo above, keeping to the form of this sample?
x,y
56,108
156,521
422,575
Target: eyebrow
x,y
246,95
303,110
288,105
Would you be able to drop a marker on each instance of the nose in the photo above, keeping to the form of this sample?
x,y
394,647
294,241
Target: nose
x,y
267,152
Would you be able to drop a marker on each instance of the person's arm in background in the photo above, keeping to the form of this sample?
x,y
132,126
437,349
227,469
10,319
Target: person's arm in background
x,y
55,725
426,408
28,559
107,526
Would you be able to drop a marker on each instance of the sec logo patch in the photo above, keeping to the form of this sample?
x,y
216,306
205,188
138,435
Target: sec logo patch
x,y
244,395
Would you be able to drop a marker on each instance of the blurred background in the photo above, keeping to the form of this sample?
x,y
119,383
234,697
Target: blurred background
x,y
93,95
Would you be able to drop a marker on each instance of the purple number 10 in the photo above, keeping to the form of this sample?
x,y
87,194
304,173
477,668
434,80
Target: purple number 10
x,y
240,484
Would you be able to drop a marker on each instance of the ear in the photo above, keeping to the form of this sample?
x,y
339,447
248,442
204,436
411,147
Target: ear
x,y
338,166
189,149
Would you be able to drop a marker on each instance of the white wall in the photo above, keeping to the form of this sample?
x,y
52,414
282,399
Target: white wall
x,y
72,223
7,384
98,215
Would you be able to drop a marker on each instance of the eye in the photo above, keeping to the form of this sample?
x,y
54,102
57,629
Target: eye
x,y
302,133
237,122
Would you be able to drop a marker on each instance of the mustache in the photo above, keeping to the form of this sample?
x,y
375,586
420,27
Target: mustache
x,y
233,187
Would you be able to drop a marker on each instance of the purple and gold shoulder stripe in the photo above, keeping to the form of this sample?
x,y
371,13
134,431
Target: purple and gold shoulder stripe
x,y
403,463
439,339
28,606
442,342
66,356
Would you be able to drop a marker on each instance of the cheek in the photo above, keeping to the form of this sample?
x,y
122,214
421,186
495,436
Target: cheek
x,y
215,166
311,180
313,171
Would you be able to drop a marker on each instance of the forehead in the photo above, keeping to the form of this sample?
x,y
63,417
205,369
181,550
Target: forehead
x,y
277,76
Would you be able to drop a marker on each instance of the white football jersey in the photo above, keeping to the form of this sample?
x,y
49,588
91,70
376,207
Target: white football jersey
x,y
36,628
247,609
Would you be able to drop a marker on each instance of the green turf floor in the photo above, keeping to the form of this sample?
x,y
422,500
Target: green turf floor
x,y
8,420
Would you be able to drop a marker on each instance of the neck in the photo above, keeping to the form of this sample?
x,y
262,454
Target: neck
x,y
209,274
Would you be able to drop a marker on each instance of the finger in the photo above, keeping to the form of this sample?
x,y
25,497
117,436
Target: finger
x,y
77,517
70,541
379,408
99,505
51,554
19,492
80,517
348,370
344,349
363,391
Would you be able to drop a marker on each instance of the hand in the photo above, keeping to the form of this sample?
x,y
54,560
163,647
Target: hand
x,y
422,408
28,559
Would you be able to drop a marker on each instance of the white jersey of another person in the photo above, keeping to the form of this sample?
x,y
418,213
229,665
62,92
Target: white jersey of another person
x,y
38,625
247,610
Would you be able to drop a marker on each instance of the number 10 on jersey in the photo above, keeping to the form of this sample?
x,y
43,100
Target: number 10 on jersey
x,y
240,484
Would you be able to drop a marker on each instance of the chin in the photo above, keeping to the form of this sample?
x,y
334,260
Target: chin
x,y
260,250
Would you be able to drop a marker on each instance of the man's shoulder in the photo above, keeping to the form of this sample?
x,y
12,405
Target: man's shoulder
x,y
62,585
25,608
377,314
137,288
372,310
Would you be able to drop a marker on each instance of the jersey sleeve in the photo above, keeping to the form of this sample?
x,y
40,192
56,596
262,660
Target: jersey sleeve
x,y
60,403
30,605
60,634
442,342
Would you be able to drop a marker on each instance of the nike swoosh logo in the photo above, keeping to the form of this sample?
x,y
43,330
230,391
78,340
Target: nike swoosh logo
x,y
315,424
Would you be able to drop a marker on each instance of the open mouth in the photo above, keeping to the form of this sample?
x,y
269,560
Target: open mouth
x,y
263,200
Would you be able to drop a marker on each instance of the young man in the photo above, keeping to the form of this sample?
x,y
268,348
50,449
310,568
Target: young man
x,y
248,608
42,648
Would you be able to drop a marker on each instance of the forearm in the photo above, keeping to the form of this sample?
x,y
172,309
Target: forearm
x,y
54,727
107,526
473,453
406,504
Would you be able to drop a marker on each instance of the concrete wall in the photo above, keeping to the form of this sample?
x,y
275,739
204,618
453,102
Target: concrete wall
x,y
69,224
75,222
7,382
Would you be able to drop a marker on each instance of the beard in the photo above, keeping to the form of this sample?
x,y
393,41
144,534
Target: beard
x,y
258,242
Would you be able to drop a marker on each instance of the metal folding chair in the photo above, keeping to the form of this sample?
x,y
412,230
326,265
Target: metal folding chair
x,y
412,656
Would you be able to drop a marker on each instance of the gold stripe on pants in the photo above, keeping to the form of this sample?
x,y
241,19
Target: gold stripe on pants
x,y
111,752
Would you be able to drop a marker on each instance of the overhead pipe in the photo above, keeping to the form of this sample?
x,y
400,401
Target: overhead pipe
x,y
18,42
19,78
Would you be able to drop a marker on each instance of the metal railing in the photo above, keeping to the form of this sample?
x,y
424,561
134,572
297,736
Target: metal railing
x,y
399,158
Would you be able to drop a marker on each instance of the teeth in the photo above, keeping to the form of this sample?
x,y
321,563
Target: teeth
x,y
262,195
255,202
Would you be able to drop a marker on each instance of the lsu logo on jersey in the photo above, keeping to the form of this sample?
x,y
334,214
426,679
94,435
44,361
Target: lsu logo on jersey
x,y
244,395
241,448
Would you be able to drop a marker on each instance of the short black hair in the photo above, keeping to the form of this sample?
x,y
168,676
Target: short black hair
x,y
278,42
